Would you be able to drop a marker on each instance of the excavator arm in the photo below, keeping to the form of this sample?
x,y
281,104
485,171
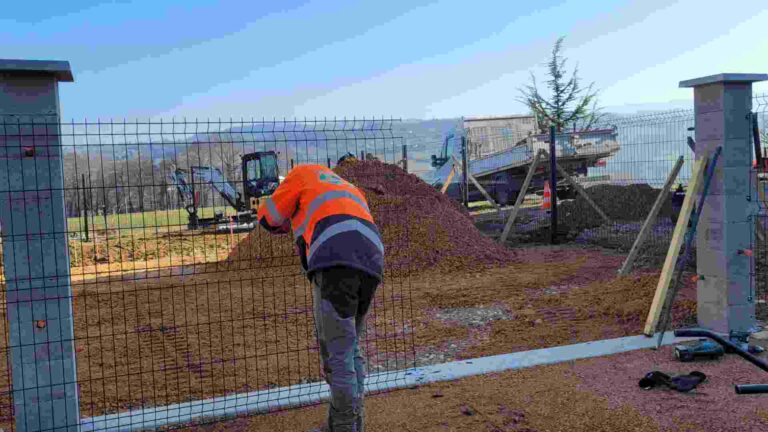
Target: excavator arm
x,y
219,183
179,179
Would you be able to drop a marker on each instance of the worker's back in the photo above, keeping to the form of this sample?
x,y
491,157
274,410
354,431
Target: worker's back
x,y
330,218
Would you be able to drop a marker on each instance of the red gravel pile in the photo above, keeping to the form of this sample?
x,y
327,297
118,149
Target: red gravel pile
x,y
421,228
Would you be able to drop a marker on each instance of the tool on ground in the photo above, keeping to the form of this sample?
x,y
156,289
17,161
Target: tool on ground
x,y
707,349
741,339
682,383
734,348
666,315
701,349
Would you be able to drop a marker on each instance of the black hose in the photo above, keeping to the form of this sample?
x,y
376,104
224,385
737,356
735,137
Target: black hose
x,y
752,388
696,332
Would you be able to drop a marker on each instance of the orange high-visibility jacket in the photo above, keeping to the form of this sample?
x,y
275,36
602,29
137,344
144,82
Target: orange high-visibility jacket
x,y
330,220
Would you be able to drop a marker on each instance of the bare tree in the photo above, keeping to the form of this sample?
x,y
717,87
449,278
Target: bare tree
x,y
568,103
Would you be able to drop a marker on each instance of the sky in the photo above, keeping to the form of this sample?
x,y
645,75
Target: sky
x,y
396,58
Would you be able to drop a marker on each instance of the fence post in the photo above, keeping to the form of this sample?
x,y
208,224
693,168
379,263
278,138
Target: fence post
x,y
464,178
106,224
722,107
405,158
553,183
85,210
35,253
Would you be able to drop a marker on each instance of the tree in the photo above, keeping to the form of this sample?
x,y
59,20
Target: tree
x,y
763,138
568,104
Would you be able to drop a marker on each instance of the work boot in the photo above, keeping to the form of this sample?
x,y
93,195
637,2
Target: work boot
x,y
343,421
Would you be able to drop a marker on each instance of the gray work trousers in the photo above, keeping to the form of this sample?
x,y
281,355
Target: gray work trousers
x,y
342,297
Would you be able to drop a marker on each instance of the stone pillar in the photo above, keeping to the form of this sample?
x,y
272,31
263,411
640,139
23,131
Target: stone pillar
x,y
35,253
725,295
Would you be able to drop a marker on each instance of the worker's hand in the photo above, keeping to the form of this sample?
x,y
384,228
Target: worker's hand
x,y
285,227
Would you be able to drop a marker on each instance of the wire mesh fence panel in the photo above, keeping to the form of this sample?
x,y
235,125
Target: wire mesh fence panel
x,y
622,165
179,296
760,247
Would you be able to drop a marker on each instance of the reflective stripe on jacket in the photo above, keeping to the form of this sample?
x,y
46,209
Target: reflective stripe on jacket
x,y
330,219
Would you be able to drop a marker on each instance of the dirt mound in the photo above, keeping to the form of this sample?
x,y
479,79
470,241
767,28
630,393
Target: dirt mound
x,y
421,228
620,203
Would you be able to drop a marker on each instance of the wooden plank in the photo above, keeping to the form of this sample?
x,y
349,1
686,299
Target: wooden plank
x,y
477,185
581,191
669,301
520,198
674,248
448,179
651,219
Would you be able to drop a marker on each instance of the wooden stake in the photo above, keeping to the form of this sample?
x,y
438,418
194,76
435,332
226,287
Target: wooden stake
x,y
448,179
477,185
674,248
649,221
582,192
520,198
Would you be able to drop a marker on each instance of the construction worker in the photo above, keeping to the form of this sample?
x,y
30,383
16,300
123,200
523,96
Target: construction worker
x,y
343,256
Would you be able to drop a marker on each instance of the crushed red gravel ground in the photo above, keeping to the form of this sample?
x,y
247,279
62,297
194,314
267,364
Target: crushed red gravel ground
x,y
600,395
167,339
713,406
246,324
561,296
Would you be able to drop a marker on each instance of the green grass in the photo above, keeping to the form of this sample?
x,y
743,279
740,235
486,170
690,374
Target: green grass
x,y
151,219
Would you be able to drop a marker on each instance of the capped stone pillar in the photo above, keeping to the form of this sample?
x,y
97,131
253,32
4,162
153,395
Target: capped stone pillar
x,y
725,297
35,252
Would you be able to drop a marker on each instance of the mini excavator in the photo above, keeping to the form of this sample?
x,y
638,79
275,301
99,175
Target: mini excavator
x,y
260,178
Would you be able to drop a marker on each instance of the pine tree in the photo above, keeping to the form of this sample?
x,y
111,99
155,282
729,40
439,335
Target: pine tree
x,y
569,105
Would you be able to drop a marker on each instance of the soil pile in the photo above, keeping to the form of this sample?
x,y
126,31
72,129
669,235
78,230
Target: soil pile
x,y
421,228
620,203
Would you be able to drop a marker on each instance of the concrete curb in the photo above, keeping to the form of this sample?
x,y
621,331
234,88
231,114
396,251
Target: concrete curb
x,y
265,401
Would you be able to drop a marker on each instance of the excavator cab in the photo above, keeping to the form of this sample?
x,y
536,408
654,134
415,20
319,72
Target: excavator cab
x,y
261,176
442,159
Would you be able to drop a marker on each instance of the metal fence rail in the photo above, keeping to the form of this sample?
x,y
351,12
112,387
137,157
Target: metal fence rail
x,y
167,315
